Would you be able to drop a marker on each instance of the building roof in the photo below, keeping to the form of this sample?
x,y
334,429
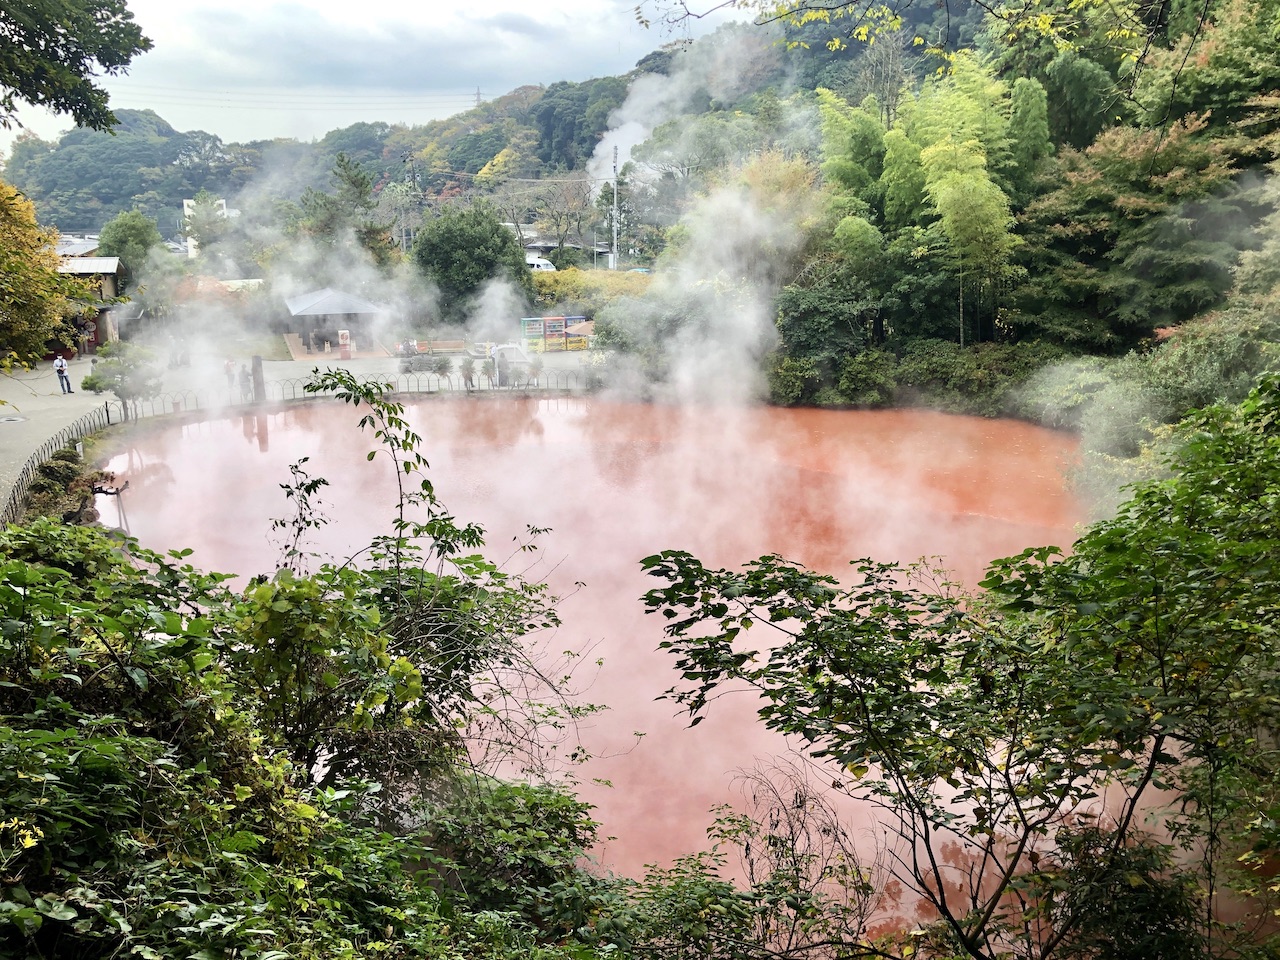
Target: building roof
x,y
329,302
90,266
202,284
131,310
77,246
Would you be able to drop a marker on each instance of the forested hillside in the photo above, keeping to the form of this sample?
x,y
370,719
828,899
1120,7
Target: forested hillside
x,y
953,202
86,177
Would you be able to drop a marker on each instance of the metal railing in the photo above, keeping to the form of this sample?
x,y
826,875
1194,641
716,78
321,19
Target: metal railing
x,y
560,381
90,423
547,382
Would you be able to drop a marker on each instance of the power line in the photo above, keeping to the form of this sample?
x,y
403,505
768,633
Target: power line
x,y
317,104
142,96
472,176
273,93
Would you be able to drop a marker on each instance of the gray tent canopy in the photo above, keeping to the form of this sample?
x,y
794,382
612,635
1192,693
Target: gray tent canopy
x,y
322,313
330,303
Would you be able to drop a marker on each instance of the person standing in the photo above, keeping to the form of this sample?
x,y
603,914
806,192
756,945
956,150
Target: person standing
x,y
64,378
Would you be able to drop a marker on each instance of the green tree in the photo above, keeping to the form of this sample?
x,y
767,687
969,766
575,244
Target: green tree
x,y
1080,92
206,223
565,212
974,215
361,143
834,310
26,151
158,791
386,672
1142,232
1129,32
1029,135
902,181
54,50
1219,70
127,370
89,176
990,727
825,319
688,149
345,216
145,810
646,212
853,144
965,103
36,301
466,247
920,284
570,117
1258,274
131,236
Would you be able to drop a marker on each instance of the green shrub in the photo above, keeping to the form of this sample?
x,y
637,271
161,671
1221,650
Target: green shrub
x,y
1215,359
60,471
793,381
868,379
42,484
829,398
981,379
503,845
1061,395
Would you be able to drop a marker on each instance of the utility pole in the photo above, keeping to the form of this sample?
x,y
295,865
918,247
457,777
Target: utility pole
x,y
478,100
614,259
415,198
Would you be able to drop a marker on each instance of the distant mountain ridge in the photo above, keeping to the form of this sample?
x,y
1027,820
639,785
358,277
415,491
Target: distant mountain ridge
x,y
85,178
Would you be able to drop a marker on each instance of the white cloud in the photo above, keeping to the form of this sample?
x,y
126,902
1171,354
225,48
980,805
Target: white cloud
x,y
256,69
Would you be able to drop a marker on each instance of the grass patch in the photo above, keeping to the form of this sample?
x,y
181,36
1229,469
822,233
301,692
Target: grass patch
x,y
266,346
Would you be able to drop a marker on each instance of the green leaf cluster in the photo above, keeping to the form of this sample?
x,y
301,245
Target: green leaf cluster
x,y
126,369
1024,740
36,301
279,769
465,248
53,53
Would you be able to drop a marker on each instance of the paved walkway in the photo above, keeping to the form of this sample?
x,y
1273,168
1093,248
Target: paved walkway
x,y
33,408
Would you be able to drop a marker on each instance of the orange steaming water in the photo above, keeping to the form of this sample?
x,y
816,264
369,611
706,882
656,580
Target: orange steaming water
x,y
616,482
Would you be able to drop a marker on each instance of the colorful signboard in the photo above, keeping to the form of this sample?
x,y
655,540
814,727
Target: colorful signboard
x,y
544,334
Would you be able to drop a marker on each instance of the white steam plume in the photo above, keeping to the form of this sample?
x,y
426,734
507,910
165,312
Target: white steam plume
x,y
721,66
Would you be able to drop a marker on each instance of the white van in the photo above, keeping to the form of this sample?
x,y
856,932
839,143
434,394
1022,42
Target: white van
x,y
537,263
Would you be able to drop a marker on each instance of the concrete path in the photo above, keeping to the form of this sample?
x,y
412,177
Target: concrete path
x,y
33,408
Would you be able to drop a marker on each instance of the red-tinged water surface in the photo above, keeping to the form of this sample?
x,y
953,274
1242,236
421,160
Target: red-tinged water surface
x,y
617,482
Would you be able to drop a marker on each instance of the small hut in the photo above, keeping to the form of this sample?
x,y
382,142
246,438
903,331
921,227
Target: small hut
x,y
319,317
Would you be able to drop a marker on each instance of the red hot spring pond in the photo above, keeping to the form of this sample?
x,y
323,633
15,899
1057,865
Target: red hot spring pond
x,y
617,482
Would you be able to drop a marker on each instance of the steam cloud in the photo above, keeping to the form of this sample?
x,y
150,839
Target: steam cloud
x,y
706,322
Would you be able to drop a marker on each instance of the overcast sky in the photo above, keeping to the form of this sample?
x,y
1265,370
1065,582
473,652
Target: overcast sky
x,y
256,69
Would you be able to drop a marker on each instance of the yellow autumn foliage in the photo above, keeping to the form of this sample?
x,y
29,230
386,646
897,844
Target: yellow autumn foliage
x,y
582,292
34,298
